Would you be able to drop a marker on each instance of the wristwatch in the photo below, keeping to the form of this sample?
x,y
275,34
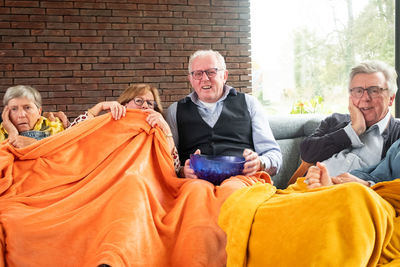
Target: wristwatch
x,y
262,164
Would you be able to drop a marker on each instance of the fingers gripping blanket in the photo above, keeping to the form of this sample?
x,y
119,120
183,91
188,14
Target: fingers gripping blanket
x,y
341,225
105,192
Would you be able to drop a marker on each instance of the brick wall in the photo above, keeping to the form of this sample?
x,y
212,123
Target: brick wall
x,y
80,52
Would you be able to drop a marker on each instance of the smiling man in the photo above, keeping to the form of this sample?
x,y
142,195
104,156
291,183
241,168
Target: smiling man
x,y
344,142
218,120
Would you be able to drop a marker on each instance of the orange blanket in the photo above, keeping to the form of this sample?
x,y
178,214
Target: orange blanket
x,y
105,192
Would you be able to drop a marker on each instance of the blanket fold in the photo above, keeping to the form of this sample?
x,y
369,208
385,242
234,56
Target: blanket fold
x,y
105,192
340,225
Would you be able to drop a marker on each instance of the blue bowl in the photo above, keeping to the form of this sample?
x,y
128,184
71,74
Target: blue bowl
x,y
215,169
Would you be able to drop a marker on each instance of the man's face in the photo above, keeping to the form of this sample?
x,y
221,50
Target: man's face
x,y
208,89
373,109
23,113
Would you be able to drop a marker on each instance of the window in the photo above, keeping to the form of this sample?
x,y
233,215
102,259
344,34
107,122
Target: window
x,y
303,51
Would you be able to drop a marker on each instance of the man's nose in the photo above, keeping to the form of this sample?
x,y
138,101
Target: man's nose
x,y
365,96
206,76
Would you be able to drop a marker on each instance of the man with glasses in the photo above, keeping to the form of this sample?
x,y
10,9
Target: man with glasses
x,y
345,142
218,120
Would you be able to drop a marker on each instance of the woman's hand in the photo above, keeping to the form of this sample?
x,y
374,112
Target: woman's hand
x,y
156,119
20,141
117,110
7,124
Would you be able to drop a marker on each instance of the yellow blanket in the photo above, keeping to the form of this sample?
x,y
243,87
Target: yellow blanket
x,y
342,225
105,192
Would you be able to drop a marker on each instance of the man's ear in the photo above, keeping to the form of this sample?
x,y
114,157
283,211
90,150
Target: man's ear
x,y
225,76
392,98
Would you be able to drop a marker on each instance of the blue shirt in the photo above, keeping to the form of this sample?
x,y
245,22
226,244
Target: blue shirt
x,y
386,170
264,142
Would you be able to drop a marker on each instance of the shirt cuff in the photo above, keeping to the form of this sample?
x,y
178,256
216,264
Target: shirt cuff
x,y
355,140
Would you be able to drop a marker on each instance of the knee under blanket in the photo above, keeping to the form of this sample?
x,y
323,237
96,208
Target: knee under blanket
x,y
341,225
105,192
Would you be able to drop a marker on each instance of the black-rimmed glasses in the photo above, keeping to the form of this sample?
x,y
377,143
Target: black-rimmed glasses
x,y
373,91
198,74
140,101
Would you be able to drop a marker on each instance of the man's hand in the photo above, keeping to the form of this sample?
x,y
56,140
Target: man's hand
x,y
318,176
348,178
357,118
187,171
253,162
7,124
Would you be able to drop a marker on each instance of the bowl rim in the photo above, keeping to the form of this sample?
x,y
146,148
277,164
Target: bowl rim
x,y
213,158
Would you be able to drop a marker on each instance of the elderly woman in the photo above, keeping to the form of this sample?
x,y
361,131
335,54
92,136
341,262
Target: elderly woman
x,y
22,121
138,96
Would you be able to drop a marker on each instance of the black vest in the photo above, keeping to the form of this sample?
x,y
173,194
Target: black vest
x,y
231,134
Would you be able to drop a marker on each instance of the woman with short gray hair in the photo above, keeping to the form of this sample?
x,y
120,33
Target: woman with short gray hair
x,y
22,121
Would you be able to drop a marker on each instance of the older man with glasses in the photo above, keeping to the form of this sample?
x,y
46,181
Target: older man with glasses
x,y
218,120
345,142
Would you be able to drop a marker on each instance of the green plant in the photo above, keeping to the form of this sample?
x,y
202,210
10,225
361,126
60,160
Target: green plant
x,y
314,105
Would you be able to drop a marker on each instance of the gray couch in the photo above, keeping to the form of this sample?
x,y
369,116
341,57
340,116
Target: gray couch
x,y
289,130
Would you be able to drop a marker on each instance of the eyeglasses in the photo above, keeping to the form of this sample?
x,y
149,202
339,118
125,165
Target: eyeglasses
x,y
198,74
373,91
140,101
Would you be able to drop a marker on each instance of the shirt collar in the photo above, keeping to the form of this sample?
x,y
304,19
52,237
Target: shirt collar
x,y
227,90
382,124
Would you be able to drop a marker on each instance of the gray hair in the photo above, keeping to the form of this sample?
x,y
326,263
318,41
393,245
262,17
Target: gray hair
x,y
373,66
23,91
202,53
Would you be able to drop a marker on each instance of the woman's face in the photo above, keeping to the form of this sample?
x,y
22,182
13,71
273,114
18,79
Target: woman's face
x,y
145,101
23,113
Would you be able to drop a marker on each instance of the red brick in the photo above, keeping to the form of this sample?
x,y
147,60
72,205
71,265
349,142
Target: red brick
x,y
113,59
31,11
122,53
89,5
64,80
56,73
86,39
53,39
48,60
93,53
97,93
46,18
45,32
64,26
64,66
15,74
80,87
81,60
12,17
107,66
119,73
62,11
88,74
97,80
81,32
56,53
71,19
31,81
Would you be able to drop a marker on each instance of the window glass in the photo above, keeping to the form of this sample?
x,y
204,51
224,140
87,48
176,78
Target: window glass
x,y
303,51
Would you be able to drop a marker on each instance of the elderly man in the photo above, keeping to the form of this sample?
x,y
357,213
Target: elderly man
x,y
218,120
344,142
